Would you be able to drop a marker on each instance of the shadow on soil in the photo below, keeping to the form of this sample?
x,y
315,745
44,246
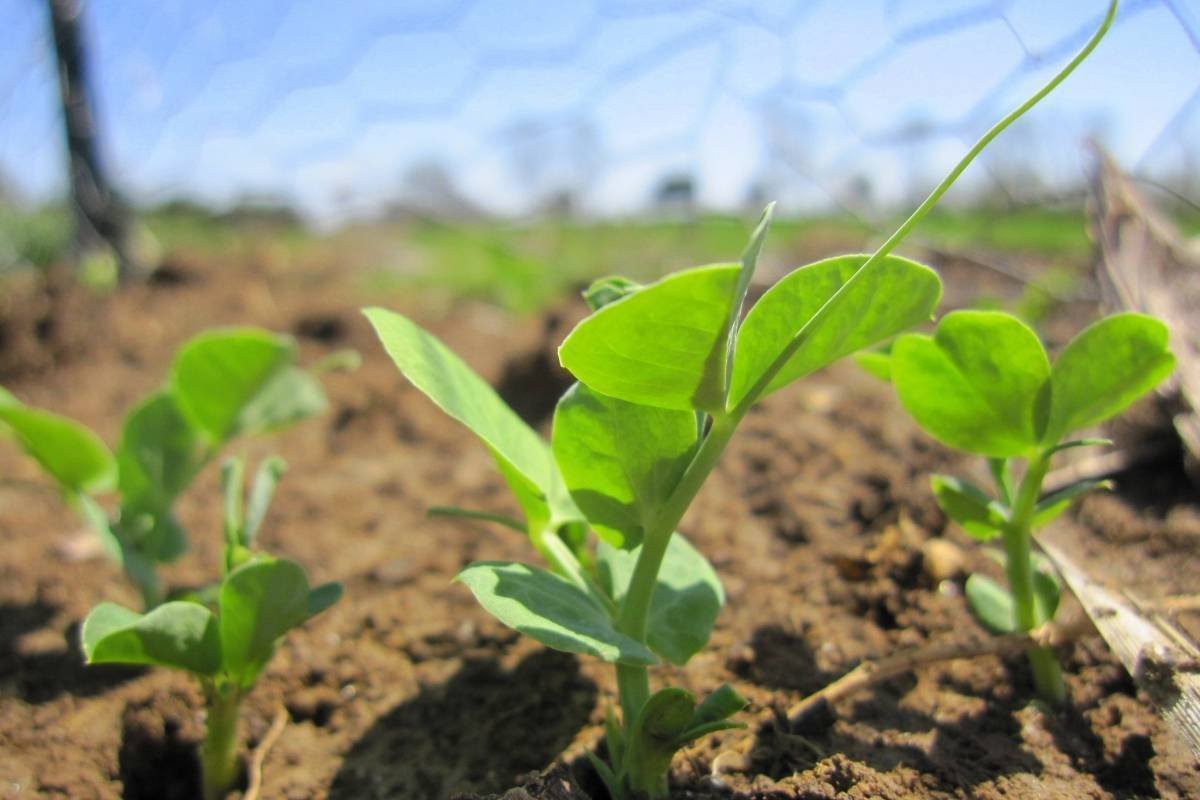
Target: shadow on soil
x,y
477,732
39,675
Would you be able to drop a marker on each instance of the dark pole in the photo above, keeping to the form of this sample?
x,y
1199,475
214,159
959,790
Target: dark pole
x,y
101,219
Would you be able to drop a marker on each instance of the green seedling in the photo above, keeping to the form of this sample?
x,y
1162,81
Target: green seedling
x,y
225,642
665,372
982,383
222,384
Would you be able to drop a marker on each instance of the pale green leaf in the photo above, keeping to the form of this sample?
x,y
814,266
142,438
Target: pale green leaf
x,y
687,596
991,604
69,452
259,602
896,295
663,346
969,506
978,384
620,461
551,610
1105,368
178,634
1050,507
216,375
521,455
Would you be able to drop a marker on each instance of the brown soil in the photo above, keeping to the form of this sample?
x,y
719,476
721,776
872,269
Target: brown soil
x,y
818,520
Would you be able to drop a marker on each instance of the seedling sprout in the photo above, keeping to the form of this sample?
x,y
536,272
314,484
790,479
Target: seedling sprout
x,y
665,374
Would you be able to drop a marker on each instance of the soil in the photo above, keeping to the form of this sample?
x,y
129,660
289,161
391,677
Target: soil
x,y
818,519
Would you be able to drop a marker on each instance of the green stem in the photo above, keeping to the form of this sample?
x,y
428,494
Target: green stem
x,y
218,754
1018,568
898,236
633,682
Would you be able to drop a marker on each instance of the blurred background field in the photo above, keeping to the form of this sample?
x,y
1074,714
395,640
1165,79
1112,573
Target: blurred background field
x,y
510,151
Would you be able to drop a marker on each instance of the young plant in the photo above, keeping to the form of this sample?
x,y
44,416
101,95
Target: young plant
x,y
665,373
221,384
226,642
982,383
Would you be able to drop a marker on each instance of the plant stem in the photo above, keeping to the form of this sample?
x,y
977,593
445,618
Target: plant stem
x,y
563,561
218,754
633,682
1018,568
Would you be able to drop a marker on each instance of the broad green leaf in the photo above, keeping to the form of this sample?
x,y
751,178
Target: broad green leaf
x,y
1052,505
521,455
6,398
896,295
217,374
604,291
259,602
876,363
69,452
288,396
152,532
968,505
977,384
620,461
551,610
322,597
1046,593
687,596
991,603
159,454
663,346
1105,368
177,634
138,565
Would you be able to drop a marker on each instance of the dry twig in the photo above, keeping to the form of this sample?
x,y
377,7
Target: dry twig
x,y
260,754
869,673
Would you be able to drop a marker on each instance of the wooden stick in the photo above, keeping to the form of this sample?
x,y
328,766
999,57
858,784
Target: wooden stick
x,y
869,673
260,753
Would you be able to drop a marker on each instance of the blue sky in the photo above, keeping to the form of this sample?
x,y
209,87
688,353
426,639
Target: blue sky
x,y
331,105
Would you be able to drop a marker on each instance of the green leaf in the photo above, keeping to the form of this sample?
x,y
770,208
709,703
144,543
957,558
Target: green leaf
x,y
177,634
259,602
1089,442
977,384
266,478
289,396
604,291
551,610
322,597
897,295
877,363
664,346
1046,593
654,737
620,461
522,457
969,506
159,454
1052,505
687,596
217,375
1103,370
991,603
718,706
69,452
7,399
231,506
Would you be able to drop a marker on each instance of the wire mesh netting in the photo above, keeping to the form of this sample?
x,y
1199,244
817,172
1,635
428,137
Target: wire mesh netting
x,y
599,106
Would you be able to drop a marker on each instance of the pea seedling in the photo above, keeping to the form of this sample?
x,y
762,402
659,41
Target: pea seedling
x,y
982,383
221,384
224,644
665,374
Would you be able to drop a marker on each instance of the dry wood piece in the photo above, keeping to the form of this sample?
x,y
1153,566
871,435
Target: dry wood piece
x,y
1163,661
869,673
1145,265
